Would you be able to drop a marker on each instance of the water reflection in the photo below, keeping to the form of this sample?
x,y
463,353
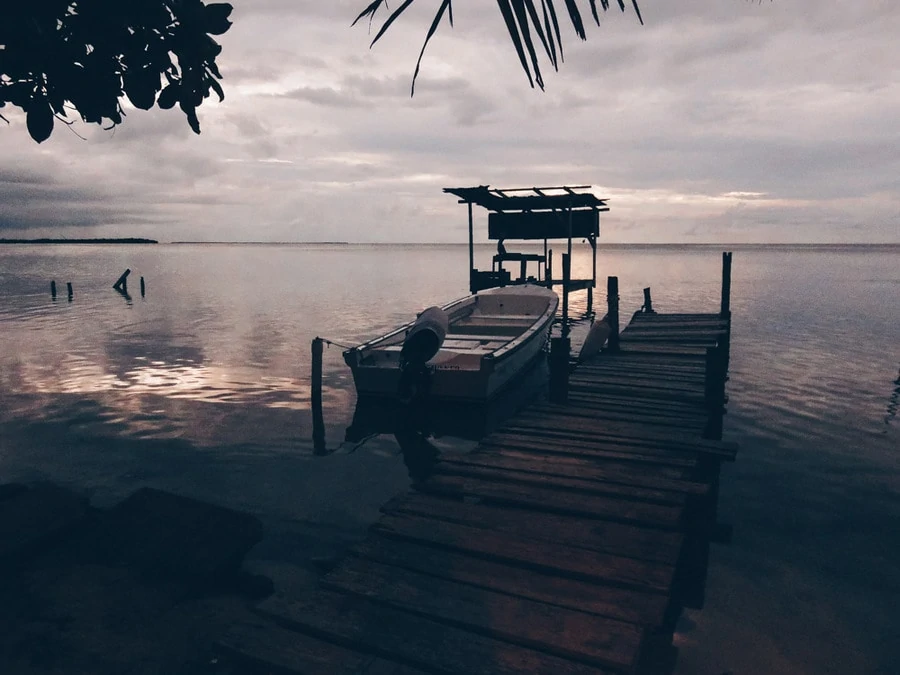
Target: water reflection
x,y
415,424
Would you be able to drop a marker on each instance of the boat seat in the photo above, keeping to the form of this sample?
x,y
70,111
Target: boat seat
x,y
517,317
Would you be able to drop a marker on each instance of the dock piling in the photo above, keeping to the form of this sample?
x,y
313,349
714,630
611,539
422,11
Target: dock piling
x,y
726,285
142,287
69,290
612,312
648,302
53,289
318,419
567,277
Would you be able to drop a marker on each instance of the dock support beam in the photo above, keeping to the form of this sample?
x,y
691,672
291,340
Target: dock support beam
x,y
53,289
648,302
318,419
715,389
612,312
471,252
725,313
567,277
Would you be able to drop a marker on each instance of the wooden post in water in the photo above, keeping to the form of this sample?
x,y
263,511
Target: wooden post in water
x,y
316,385
648,302
471,251
726,285
142,287
122,283
69,289
715,390
549,272
612,312
567,272
53,289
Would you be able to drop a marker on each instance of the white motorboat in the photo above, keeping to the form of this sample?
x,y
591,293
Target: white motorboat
x,y
491,336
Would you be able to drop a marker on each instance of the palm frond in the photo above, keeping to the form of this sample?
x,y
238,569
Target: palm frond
x,y
522,19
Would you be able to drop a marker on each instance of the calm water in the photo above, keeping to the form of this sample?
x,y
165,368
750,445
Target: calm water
x,y
202,387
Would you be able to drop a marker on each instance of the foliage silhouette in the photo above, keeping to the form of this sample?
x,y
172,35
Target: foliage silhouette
x,y
59,57
522,19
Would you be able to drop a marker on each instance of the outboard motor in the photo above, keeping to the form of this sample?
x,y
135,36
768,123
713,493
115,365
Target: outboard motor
x,y
422,342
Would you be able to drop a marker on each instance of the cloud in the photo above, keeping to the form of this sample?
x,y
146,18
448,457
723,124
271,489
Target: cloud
x,y
714,121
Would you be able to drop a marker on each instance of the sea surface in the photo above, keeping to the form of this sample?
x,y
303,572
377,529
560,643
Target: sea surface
x,y
202,386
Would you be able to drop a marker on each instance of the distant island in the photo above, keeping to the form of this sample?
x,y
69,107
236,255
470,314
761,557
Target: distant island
x,y
123,240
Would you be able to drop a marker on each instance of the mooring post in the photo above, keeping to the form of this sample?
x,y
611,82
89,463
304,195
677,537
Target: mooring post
x,y
142,287
567,278
612,312
53,289
590,299
69,289
648,302
726,285
122,282
549,274
318,420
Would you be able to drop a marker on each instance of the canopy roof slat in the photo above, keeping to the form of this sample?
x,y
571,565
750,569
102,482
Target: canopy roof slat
x,y
540,198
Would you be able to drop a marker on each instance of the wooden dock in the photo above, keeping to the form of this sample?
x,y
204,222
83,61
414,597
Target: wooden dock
x,y
568,541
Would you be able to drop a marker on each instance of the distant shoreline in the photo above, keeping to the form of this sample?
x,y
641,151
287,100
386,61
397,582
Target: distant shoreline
x,y
124,240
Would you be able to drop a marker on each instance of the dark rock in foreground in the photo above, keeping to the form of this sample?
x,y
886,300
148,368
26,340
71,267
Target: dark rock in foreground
x,y
145,587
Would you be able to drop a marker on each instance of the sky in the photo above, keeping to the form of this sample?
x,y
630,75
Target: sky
x,y
717,121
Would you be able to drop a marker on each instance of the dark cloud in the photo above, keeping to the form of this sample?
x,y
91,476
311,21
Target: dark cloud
x,y
714,121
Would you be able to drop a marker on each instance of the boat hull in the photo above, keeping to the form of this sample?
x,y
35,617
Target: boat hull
x,y
454,374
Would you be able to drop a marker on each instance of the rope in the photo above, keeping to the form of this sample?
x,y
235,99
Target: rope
x,y
332,342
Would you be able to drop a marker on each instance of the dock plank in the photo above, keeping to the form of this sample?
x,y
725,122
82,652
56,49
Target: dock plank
x,y
575,469
552,629
563,560
515,475
555,501
630,605
413,640
597,535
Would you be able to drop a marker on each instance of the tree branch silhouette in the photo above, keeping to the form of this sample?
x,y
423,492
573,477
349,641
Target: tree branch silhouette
x,y
63,56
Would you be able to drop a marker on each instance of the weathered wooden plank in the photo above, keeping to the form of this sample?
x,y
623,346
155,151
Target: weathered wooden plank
x,y
623,433
265,646
585,470
568,633
505,474
629,541
632,373
576,563
659,422
626,467
635,408
580,435
550,442
631,605
636,402
555,501
411,639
